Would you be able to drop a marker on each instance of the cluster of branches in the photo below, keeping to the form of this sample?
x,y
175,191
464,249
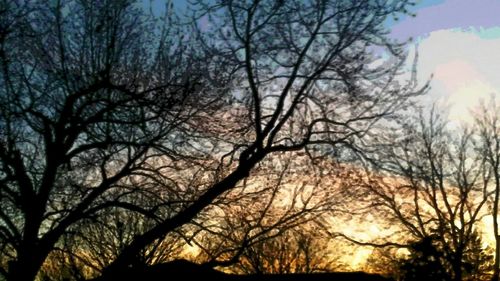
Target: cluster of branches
x,y
268,226
111,115
436,185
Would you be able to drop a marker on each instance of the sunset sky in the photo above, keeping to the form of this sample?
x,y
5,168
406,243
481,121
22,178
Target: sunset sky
x,y
458,41
250,139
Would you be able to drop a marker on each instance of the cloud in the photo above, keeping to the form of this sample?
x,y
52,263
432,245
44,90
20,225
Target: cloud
x,y
465,67
456,14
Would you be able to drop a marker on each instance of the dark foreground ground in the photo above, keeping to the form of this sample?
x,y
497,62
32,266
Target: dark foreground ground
x,y
183,271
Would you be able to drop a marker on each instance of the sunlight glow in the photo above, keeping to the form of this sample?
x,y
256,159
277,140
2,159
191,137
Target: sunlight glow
x,y
464,66
487,226
467,97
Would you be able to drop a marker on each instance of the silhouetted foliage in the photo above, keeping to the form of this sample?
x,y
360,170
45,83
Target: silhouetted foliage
x,y
479,260
428,261
425,262
434,184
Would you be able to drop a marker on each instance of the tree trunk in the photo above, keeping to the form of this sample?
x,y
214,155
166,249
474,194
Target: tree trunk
x,y
457,268
495,229
456,265
26,266
497,253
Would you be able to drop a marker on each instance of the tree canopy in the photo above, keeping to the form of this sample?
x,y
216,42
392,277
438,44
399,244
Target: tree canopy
x,y
128,128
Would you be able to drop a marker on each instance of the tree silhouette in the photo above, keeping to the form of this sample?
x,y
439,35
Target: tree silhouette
x,y
425,262
433,184
240,228
428,261
103,105
300,250
305,78
91,99
487,121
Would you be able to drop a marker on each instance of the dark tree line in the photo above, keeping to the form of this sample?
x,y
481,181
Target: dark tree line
x,y
111,115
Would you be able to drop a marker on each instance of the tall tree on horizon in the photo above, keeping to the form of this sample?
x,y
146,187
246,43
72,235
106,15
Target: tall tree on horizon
x,y
431,181
487,121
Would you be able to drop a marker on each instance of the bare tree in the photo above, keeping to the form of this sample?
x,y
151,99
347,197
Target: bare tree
x,y
267,210
433,185
488,129
89,246
305,77
300,250
95,99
